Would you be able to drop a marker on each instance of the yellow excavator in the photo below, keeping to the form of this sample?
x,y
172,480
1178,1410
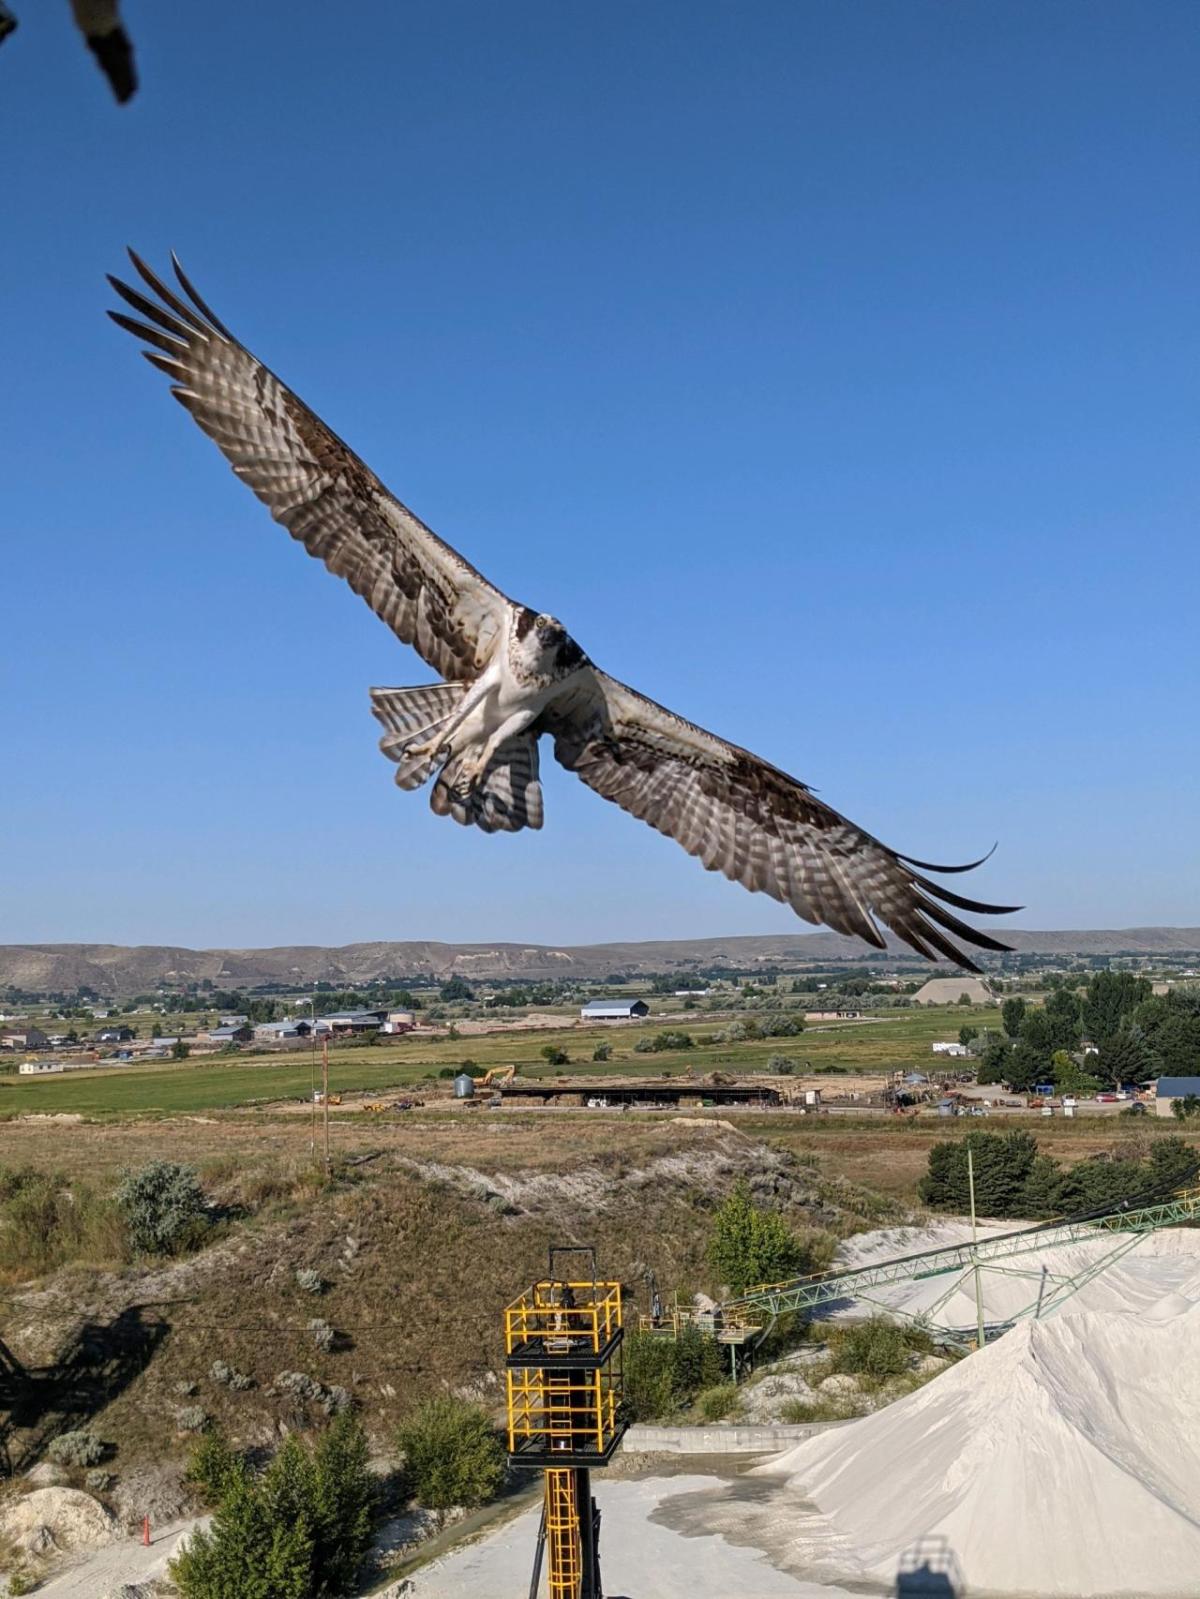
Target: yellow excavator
x,y
498,1077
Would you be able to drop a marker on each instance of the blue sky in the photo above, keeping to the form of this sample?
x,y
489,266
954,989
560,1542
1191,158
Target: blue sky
x,y
830,369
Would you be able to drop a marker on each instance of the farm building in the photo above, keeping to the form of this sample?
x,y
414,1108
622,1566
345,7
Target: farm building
x,y
23,1038
115,1035
1169,1089
350,1021
39,1068
947,1046
949,990
614,1010
279,1032
239,1033
399,1021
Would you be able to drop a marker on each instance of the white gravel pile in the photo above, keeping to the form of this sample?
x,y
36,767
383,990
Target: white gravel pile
x,y
1062,1460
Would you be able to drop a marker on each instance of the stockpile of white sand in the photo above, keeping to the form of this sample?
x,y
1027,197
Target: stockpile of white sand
x,y
1159,1263
1064,1459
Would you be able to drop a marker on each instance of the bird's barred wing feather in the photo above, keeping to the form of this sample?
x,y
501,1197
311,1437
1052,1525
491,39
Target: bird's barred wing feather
x,y
744,817
315,485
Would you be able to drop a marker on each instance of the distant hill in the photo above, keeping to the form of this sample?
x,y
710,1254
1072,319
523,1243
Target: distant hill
x,y
119,970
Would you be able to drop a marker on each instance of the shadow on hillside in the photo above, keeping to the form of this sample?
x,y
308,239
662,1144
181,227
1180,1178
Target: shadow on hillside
x,y
39,1403
929,1569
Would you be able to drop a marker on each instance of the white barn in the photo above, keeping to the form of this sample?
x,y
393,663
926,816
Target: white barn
x,y
614,1010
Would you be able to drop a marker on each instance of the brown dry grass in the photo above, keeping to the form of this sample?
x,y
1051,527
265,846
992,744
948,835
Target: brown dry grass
x,y
890,1157
421,1246
430,1224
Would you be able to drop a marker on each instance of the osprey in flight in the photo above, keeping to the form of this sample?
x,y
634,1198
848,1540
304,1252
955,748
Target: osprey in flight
x,y
511,675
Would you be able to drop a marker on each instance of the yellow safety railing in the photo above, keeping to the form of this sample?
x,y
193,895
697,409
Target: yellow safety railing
x,y
731,1326
562,1535
587,1315
574,1411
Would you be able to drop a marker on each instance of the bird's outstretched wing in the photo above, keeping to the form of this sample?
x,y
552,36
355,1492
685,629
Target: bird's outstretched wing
x,y
746,818
100,23
315,484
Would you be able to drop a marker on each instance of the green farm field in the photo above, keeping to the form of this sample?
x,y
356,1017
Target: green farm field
x,y
899,1039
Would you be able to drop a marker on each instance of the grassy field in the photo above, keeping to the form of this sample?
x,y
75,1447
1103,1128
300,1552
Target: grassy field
x,y
900,1040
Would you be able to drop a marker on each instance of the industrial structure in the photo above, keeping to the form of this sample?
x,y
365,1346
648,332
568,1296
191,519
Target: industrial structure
x,y
1168,1091
562,1345
648,1092
1014,1253
740,1324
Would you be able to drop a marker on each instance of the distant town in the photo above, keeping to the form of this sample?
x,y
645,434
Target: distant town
x,y
1049,1043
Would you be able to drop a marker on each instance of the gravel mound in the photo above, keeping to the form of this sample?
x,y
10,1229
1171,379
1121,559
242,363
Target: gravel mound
x,y
1064,1459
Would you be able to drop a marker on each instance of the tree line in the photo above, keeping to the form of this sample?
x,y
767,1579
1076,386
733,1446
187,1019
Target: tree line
x,y
1014,1179
1135,1034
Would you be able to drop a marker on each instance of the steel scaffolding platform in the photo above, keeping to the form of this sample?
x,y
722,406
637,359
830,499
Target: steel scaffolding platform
x,y
562,1343
1126,1226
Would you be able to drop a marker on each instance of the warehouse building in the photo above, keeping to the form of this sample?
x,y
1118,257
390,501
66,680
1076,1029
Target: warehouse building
x,y
614,1010
1170,1089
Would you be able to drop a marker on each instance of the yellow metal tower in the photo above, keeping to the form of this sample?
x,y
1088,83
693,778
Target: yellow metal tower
x,y
562,1345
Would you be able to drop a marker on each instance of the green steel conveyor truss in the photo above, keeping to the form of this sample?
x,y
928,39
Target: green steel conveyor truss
x,y
1126,1227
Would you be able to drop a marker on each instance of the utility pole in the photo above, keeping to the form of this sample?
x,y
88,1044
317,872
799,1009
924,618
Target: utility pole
x,y
312,1062
325,1094
974,1255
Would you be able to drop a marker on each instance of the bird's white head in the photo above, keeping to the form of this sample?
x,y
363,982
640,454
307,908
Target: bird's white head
x,y
543,647
549,630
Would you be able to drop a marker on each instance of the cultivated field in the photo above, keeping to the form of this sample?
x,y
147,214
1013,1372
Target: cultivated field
x,y
896,1040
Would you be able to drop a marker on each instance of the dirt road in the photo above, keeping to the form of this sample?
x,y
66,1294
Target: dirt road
x,y
129,1561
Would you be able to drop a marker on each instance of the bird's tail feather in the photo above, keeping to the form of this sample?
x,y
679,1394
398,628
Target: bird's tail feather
x,y
505,799
410,715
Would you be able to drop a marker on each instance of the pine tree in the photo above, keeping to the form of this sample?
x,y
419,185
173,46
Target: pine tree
x,y
247,1553
1003,1164
1173,1164
342,1503
299,1531
1111,997
1012,1014
1126,1057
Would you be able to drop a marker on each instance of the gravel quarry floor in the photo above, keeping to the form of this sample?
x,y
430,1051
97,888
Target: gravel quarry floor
x,y
643,1554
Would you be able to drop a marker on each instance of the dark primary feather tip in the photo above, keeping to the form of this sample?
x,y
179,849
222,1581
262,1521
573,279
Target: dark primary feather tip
x,y
142,330
949,897
928,866
189,289
179,307
114,53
